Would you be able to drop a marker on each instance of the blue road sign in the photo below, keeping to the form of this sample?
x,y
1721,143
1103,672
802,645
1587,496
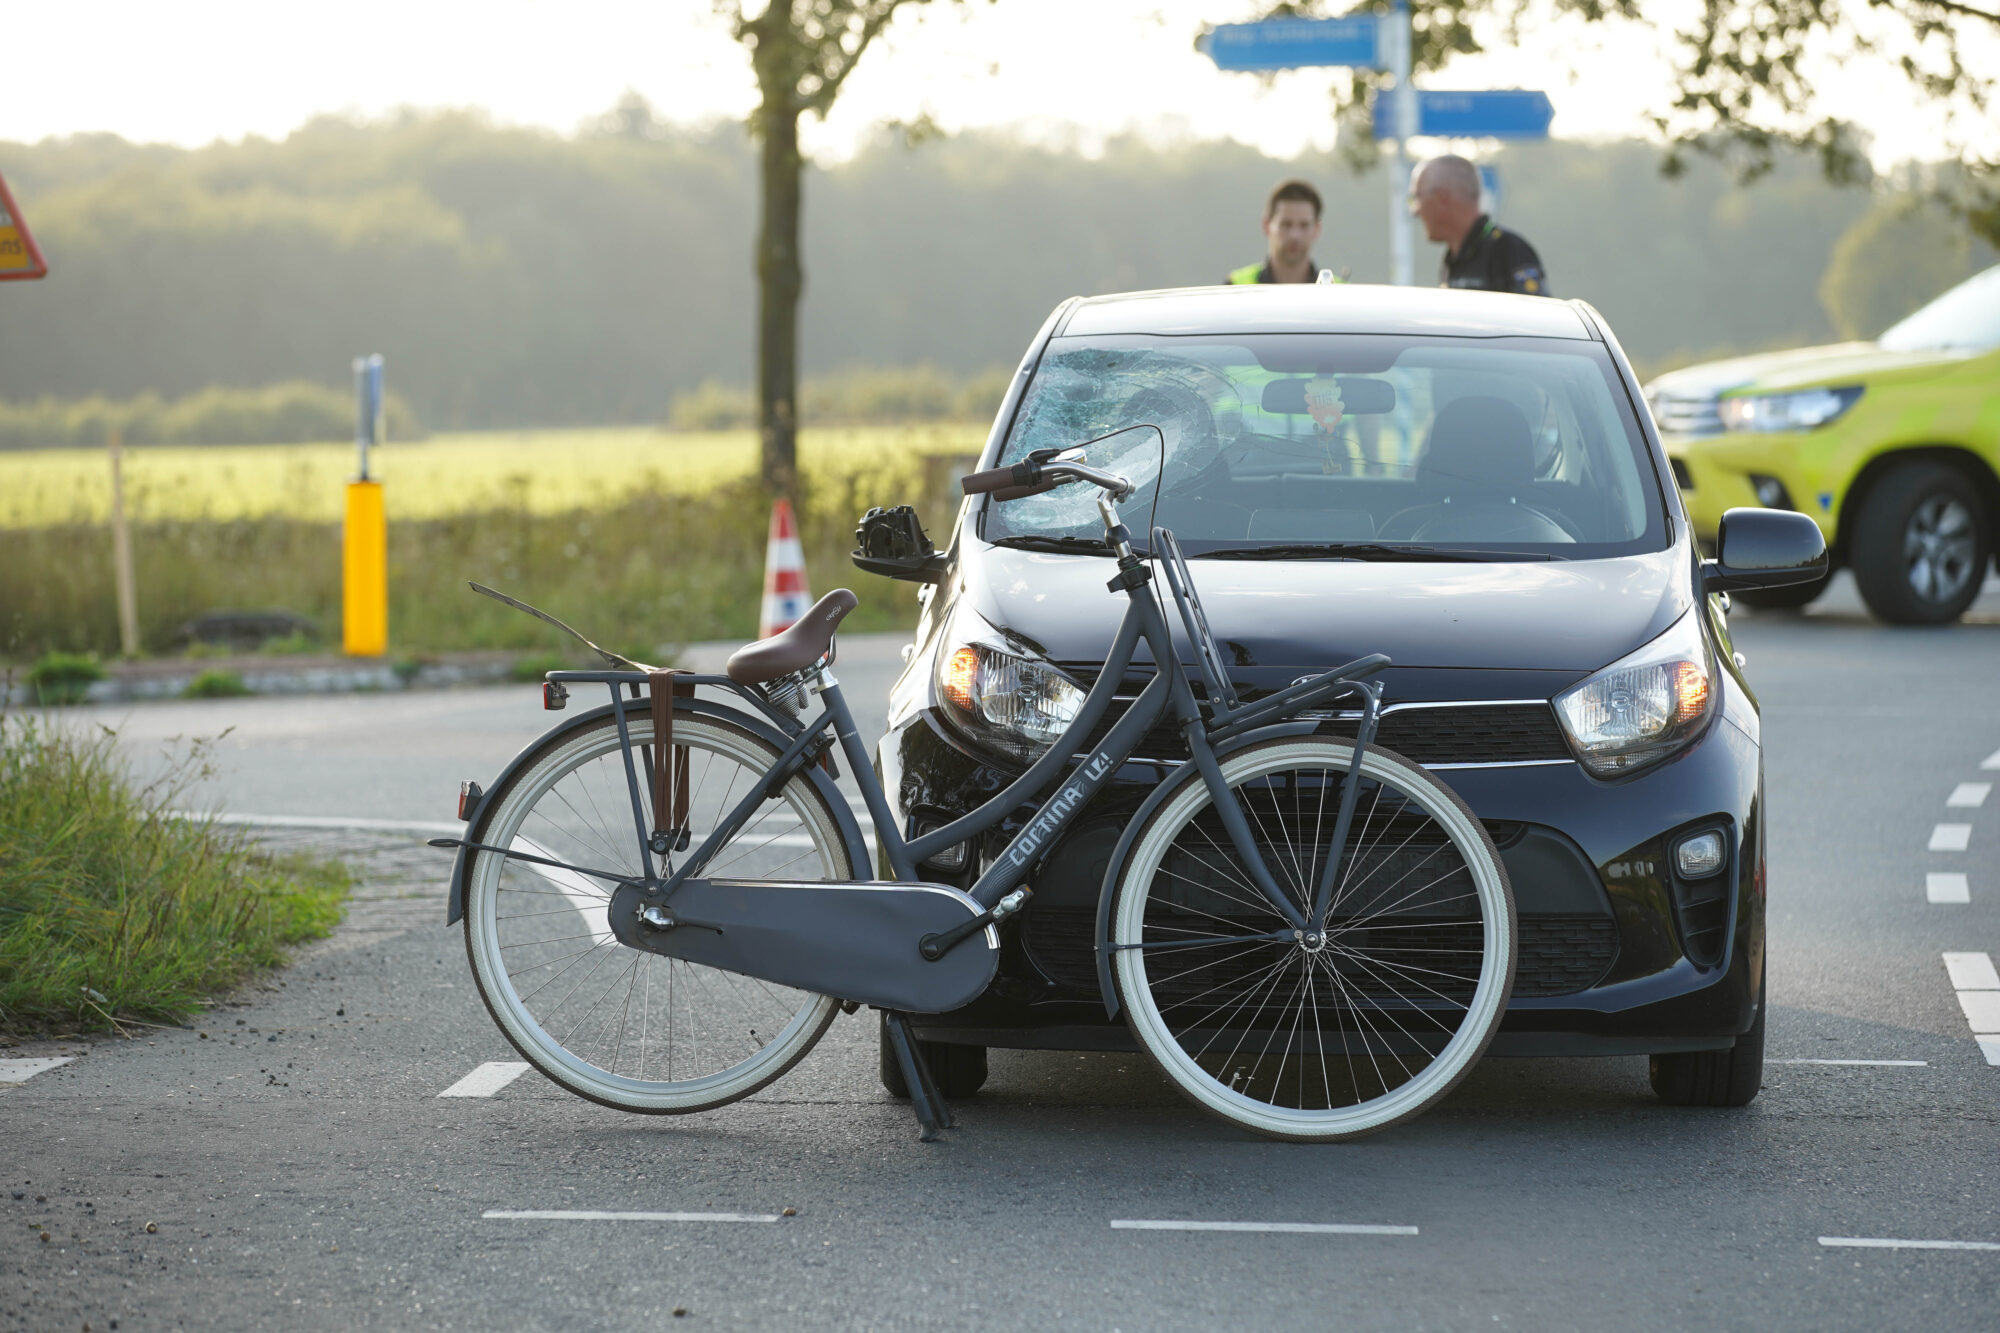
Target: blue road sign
x,y
1508,113
1293,43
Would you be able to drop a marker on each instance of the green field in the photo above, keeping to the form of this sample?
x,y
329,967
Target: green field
x,y
536,472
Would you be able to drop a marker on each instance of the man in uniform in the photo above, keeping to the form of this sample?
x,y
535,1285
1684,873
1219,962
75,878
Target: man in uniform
x,y
1291,225
1478,254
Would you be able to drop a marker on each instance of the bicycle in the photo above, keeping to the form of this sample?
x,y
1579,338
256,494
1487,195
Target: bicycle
x,y
1310,936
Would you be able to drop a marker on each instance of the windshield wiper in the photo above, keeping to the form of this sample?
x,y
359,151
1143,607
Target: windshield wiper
x,y
1368,551
1060,545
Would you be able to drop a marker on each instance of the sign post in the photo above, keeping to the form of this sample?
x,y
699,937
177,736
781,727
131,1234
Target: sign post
x,y
20,258
364,556
1382,42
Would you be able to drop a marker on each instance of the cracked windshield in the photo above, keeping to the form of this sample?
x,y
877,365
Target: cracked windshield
x,y
1378,448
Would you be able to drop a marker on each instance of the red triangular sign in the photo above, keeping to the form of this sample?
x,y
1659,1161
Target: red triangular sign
x,y
20,257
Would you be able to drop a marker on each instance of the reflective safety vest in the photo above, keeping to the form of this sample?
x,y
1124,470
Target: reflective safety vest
x,y
1254,273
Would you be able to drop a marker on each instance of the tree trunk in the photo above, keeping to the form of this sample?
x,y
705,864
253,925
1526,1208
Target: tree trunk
x,y
781,280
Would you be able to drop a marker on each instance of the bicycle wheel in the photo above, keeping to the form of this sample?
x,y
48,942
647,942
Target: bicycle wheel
x,y
1326,1041
625,1028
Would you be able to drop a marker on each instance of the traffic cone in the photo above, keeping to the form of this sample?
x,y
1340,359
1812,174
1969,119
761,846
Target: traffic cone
x,y
785,594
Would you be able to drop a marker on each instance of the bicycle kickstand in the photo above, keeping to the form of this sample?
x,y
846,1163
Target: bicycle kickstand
x,y
932,1112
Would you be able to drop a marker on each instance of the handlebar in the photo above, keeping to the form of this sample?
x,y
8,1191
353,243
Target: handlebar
x,y
1034,477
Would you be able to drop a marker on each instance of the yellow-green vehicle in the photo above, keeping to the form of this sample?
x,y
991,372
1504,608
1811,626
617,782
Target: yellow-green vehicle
x,y
1892,446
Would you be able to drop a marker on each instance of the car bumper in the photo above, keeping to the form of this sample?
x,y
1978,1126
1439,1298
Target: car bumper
x,y
1714,475
1618,955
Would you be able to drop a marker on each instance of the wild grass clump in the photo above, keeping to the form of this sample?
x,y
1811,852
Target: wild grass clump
x,y
63,678
113,913
216,683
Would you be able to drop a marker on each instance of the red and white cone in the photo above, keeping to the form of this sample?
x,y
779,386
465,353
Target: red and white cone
x,y
786,597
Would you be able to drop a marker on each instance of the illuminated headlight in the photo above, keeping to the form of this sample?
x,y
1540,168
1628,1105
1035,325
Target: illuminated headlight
x,y
1787,411
1644,707
1010,703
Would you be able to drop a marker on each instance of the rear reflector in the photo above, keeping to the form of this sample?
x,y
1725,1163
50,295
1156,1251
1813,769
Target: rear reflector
x,y
468,799
554,696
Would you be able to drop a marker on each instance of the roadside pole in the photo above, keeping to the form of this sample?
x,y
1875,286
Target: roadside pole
x,y
1396,38
364,556
121,552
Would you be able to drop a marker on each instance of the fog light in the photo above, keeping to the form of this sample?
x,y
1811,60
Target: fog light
x,y
1700,856
1771,492
952,858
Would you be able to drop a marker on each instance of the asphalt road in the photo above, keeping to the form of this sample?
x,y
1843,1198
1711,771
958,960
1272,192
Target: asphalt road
x,y
302,1170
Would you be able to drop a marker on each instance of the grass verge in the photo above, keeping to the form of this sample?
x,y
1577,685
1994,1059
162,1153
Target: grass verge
x,y
654,568
112,913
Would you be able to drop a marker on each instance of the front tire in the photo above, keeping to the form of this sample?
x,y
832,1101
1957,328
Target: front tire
x,y
1921,545
1713,1078
1292,1038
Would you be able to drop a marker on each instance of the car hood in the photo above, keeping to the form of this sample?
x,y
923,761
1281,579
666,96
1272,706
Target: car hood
x,y
1556,615
1800,367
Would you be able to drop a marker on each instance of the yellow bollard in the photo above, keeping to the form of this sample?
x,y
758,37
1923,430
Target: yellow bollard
x,y
364,572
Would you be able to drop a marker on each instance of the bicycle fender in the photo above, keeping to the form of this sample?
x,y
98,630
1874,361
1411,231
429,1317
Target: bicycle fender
x,y
1161,794
850,828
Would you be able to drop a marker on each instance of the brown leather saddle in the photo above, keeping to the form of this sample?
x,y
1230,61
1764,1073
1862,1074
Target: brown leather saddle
x,y
792,650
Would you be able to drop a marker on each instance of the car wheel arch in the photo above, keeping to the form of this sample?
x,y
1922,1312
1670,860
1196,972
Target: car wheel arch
x,y
1976,468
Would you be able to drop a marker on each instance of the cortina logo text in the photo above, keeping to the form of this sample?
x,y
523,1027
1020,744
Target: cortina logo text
x,y
1057,810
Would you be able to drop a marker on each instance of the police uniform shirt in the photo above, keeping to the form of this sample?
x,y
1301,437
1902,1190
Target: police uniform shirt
x,y
1493,259
1262,272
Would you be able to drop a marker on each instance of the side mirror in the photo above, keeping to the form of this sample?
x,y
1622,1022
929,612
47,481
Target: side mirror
x,y
891,542
1764,548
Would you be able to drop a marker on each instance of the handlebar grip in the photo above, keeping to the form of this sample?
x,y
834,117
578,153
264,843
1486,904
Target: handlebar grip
x,y
1022,492
993,479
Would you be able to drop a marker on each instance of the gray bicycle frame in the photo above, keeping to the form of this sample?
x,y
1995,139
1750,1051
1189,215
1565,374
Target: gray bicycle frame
x,y
1169,690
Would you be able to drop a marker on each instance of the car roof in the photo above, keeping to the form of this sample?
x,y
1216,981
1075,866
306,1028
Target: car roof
x,y
1329,308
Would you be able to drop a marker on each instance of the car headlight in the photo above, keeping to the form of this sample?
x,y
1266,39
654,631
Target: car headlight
x,y
1787,411
1643,707
1010,703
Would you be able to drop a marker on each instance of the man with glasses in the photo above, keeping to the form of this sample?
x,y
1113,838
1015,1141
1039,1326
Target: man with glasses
x,y
1478,254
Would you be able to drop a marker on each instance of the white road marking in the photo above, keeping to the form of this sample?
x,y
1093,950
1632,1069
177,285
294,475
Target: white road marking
x,y
1991,761
586,895
590,1215
1913,1064
1968,795
486,1080
1300,1228
1982,1011
20,1071
453,829
1950,837
1971,971
1947,887
1990,1048
1882,1243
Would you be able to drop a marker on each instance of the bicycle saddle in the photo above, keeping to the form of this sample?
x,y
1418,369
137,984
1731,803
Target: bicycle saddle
x,y
794,649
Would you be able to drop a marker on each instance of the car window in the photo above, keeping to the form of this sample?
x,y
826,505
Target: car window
x,y
1966,318
1520,444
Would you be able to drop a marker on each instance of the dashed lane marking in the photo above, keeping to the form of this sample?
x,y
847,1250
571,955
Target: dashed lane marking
x,y
1990,762
1947,887
1911,1064
486,1080
1950,837
1885,1243
1298,1228
423,826
20,1071
1971,971
1968,795
591,1215
1982,1011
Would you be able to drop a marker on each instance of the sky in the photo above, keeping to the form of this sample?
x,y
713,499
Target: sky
x,y
1070,71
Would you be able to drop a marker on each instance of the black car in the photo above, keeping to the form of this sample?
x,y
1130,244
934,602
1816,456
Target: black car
x,y
1467,482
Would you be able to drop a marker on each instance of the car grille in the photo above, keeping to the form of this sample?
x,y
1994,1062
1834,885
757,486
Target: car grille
x,y
1558,954
1451,734
1687,414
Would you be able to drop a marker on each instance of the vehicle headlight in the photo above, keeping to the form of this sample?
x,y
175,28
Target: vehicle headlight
x,y
1787,411
1010,703
1644,706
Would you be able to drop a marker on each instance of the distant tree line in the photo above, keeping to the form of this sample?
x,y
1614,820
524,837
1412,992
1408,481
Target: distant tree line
x,y
517,277
296,412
